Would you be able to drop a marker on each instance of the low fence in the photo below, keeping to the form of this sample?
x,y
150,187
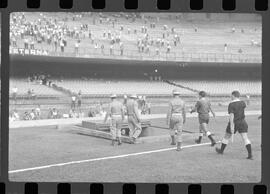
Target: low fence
x,y
129,54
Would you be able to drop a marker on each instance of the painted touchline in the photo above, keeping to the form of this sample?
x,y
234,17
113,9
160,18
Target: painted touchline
x,y
103,158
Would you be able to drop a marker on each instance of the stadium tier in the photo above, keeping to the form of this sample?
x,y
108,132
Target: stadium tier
x,y
105,87
149,37
23,88
214,87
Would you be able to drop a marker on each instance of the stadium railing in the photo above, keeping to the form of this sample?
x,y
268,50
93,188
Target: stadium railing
x,y
162,56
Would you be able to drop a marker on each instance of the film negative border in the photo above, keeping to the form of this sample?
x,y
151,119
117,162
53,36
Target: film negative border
x,y
135,5
227,5
128,188
235,6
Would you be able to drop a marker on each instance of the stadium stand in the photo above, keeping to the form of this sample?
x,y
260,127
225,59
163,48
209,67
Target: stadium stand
x,y
23,86
225,87
137,36
105,87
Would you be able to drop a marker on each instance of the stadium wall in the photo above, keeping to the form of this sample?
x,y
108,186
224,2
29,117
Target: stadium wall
x,y
96,68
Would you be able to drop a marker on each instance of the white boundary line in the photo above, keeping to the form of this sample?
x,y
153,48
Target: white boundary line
x,y
103,158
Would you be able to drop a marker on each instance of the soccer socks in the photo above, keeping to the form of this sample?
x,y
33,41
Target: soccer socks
x,y
173,140
209,135
113,142
178,146
223,146
199,139
248,146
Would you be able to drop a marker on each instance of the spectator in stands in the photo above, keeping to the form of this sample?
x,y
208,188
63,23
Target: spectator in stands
x,y
240,51
96,48
121,48
26,116
157,51
225,47
111,49
62,46
91,113
168,48
38,112
79,100
33,95
14,116
29,93
77,43
14,93
72,113
55,113
32,44
13,41
49,114
73,101
248,99
26,43
102,48
32,115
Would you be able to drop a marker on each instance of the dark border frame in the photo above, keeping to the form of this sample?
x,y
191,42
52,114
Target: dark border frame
x,y
215,6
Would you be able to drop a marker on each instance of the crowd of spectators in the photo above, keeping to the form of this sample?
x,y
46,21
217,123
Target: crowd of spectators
x,y
104,34
97,110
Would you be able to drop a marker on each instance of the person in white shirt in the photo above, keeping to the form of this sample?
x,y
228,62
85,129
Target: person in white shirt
x,y
14,93
73,102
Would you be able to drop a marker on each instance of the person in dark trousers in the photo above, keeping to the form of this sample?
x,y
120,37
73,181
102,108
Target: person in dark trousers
x,y
237,123
203,107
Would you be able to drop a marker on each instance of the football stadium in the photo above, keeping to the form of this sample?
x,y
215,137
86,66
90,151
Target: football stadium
x,y
66,67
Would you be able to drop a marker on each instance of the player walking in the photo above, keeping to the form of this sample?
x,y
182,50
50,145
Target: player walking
x,y
203,107
134,121
116,112
236,123
176,117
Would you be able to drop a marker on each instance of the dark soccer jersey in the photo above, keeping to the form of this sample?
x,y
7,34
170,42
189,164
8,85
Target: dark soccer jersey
x,y
238,110
203,106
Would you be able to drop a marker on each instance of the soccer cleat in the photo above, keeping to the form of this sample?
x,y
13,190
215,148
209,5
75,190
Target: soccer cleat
x,y
219,151
250,157
173,143
119,143
197,141
213,143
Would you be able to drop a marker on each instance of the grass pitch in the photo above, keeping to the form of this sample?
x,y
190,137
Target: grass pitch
x,y
39,147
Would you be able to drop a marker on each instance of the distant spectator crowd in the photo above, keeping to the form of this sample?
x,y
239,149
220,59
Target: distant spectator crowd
x,y
105,34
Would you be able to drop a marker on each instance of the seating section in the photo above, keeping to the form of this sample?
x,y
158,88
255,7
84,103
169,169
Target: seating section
x,y
139,87
23,86
105,35
223,86
105,87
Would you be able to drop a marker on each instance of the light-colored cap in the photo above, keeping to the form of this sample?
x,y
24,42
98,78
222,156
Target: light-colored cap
x,y
113,96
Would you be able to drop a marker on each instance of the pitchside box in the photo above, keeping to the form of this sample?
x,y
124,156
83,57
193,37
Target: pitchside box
x,y
96,128
171,6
